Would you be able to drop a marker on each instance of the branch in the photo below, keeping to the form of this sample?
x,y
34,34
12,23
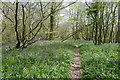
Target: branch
x,y
42,9
73,33
46,5
38,24
65,6
89,8
29,41
6,15
45,17
8,7
58,5
4,28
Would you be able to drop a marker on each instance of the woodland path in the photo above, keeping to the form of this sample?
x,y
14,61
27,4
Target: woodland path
x,y
76,68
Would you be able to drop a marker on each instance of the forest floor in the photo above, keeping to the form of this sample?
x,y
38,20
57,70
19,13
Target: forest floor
x,y
53,59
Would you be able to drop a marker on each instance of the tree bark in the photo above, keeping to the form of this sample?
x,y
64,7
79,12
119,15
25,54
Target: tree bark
x,y
100,25
96,23
76,26
119,23
106,27
96,31
118,32
52,22
16,26
113,22
23,21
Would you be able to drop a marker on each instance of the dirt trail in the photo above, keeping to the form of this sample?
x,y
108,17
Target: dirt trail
x,y
76,68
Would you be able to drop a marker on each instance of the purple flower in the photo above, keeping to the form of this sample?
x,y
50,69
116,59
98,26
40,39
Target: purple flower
x,y
40,59
110,60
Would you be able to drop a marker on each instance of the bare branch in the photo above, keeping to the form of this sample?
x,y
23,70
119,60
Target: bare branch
x,y
6,15
9,7
58,5
65,6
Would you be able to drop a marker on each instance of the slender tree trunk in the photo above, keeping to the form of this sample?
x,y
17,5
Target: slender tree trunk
x,y
92,34
52,22
23,21
105,34
73,30
110,38
77,34
113,22
119,23
100,35
118,32
106,31
87,35
96,30
16,26
100,25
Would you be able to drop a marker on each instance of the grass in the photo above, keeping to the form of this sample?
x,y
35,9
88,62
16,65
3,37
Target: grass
x,y
100,61
41,60
48,59
0,62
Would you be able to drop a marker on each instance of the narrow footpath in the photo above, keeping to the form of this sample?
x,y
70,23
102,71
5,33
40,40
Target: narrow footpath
x,y
76,68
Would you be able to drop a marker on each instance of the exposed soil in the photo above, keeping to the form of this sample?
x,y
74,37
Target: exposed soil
x,y
76,68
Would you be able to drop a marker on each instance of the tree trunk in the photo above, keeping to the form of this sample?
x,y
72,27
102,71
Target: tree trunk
x,y
113,22
16,26
23,21
52,22
76,26
96,30
107,23
118,32
119,23
100,25
92,34
100,35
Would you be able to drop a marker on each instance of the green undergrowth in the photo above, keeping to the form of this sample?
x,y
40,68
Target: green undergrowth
x,y
99,62
53,59
44,59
